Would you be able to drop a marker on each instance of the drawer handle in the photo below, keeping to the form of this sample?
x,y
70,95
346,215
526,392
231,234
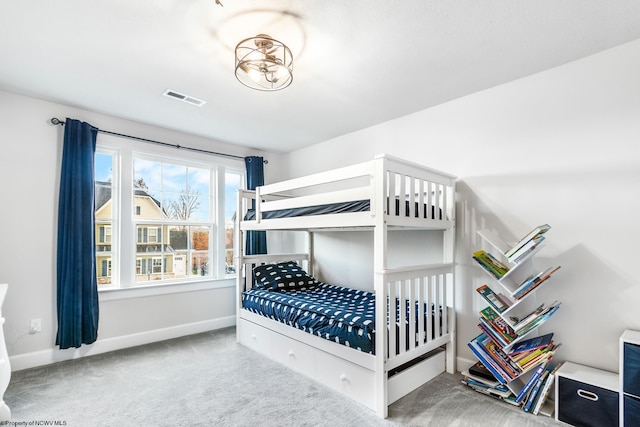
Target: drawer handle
x,y
291,354
253,337
343,378
587,395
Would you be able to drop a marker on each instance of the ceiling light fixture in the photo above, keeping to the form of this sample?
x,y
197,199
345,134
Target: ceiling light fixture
x,y
264,63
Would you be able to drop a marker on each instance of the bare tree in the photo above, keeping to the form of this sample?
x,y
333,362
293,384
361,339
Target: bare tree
x,y
184,206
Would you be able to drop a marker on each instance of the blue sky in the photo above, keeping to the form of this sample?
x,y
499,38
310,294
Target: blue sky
x,y
166,181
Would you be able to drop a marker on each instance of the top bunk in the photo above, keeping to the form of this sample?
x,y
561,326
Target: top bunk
x,y
384,191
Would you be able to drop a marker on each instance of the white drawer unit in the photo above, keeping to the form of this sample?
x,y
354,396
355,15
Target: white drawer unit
x,y
586,397
630,379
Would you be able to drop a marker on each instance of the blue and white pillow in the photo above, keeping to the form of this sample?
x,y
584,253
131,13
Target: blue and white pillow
x,y
282,276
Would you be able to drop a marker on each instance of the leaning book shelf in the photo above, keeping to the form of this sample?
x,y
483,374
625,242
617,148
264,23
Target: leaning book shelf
x,y
515,361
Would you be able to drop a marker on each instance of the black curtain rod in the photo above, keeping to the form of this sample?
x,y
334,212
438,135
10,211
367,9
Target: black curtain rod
x,y
56,121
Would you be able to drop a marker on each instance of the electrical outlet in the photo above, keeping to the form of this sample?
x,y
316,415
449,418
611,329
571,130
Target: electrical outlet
x,y
36,326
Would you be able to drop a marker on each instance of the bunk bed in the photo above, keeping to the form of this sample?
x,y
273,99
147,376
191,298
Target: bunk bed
x,y
289,315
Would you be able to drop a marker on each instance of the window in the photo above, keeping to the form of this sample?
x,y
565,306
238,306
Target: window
x,y
104,216
162,218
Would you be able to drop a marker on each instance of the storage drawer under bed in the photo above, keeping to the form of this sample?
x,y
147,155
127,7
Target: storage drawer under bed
x,y
351,379
339,374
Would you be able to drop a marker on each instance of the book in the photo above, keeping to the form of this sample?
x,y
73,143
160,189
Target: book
x,y
498,358
478,370
492,333
541,395
492,298
525,356
499,337
538,231
533,395
532,344
485,359
529,317
539,320
489,383
496,391
521,253
546,354
524,359
532,319
496,353
531,383
498,322
490,264
533,282
546,390
481,390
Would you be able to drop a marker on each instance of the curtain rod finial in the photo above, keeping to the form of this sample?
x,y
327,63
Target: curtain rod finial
x,y
56,121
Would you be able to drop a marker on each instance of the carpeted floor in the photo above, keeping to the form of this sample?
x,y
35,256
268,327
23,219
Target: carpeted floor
x,y
210,380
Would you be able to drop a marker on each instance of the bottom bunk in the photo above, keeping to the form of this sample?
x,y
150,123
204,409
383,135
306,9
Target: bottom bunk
x,y
328,332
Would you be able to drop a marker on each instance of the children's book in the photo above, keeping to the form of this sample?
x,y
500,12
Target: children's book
x,y
538,231
532,344
498,304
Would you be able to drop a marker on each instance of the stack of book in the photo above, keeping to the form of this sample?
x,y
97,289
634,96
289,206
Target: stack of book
x,y
494,359
527,243
491,264
533,281
496,328
480,379
502,350
536,391
530,398
529,353
534,319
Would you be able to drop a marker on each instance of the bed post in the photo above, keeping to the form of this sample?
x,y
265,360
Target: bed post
x,y
311,261
239,261
379,183
449,257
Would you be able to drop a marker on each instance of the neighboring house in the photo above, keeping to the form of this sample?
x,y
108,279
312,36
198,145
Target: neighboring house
x,y
155,257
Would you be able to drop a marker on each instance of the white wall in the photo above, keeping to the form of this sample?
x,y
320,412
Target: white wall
x,y
559,147
30,150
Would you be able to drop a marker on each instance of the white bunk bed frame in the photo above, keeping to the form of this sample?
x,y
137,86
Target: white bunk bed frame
x,y
361,376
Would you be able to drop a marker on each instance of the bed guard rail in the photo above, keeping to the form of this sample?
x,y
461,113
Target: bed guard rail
x,y
424,298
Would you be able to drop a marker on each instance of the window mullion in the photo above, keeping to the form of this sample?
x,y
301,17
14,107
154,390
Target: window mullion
x,y
219,243
128,227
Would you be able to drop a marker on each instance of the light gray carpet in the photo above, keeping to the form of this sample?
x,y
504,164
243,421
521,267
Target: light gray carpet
x,y
210,380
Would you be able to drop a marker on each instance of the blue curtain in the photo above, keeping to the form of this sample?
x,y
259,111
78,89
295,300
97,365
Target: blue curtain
x,y
77,289
256,240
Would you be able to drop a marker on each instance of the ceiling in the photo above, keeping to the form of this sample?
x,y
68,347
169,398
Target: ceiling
x,y
357,63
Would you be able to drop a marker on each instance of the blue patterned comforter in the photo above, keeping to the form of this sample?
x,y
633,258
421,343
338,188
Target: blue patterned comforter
x,y
336,313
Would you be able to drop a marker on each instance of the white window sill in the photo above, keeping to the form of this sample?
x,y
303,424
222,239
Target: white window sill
x,y
142,291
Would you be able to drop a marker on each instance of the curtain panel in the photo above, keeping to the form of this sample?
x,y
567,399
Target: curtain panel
x,y
77,289
256,240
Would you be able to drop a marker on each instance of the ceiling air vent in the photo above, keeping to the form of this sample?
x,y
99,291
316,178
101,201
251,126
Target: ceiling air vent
x,y
184,98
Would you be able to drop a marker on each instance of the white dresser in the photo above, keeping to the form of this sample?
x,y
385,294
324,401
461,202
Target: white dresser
x,y
5,366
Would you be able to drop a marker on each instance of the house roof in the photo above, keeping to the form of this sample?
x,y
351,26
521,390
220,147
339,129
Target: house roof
x,y
103,194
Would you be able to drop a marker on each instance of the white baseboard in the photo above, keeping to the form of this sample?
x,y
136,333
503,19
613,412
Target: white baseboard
x,y
463,363
45,357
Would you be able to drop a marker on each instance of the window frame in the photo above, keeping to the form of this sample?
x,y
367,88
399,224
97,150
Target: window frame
x,y
124,220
